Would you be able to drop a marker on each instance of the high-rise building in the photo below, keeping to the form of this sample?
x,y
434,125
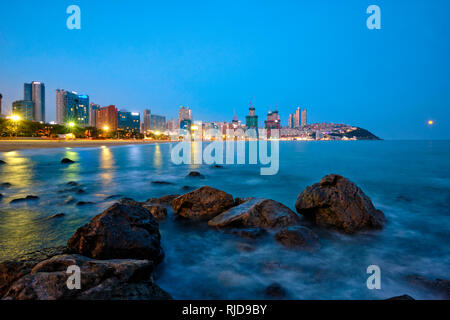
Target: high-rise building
x,y
184,114
35,92
1,104
251,120
23,109
129,122
297,118
291,121
72,107
171,125
146,121
157,123
304,121
107,118
273,120
93,114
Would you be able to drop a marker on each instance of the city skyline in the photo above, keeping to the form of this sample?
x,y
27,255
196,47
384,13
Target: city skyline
x,y
391,81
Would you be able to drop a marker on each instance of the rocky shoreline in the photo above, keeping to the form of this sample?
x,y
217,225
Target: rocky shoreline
x,y
118,250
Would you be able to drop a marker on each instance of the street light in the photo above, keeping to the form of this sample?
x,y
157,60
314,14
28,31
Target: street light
x,y
15,118
71,124
106,128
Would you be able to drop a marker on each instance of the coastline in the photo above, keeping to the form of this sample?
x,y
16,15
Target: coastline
x,y
21,144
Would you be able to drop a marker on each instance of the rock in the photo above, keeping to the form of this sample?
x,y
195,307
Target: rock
x,y
158,212
196,174
5,185
187,188
56,216
164,201
101,280
84,203
11,271
126,230
2,162
440,287
114,196
1,195
203,203
162,182
256,212
403,297
27,198
80,191
67,160
69,200
336,202
275,291
217,166
72,184
251,233
298,237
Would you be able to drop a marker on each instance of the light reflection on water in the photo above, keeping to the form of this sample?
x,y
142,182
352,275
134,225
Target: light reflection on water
x,y
409,181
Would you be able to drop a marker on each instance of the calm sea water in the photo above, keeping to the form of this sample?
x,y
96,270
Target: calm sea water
x,y
408,180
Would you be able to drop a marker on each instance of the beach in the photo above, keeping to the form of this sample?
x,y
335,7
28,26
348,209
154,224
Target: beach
x,y
19,144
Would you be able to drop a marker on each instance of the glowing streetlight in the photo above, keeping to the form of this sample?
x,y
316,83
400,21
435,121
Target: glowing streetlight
x,y
71,124
15,118
157,133
106,128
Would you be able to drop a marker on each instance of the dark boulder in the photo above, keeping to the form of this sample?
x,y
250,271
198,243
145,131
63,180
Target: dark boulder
x,y
440,287
165,200
84,203
2,162
202,204
217,166
72,184
27,198
114,196
298,237
56,216
256,212
5,185
338,203
162,182
67,160
195,174
275,291
126,230
125,279
403,297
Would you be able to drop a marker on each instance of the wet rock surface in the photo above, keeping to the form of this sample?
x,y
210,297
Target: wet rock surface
x,y
298,237
27,198
66,161
275,291
124,279
202,204
195,174
256,212
126,230
402,297
336,202
439,287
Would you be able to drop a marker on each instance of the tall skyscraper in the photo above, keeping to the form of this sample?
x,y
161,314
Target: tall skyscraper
x,y
107,117
291,121
35,92
273,120
23,109
157,122
184,114
297,118
146,120
93,114
304,121
72,107
251,121
129,122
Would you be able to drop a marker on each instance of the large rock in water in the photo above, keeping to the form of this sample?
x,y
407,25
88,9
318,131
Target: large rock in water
x,y
125,279
256,212
338,203
202,204
126,230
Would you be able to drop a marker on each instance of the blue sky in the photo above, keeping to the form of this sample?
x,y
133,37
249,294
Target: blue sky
x,y
216,56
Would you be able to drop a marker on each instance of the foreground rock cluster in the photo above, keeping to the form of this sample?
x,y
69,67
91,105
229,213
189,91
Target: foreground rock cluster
x,y
118,249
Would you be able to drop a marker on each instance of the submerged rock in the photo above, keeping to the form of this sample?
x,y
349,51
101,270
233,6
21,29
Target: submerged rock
x,y
27,198
114,196
5,185
56,216
338,203
251,233
162,182
84,203
67,160
126,230
298,237
203,203
440,287
158,212
275,291
403,297
72,184
256,212
2,162
101,280
195,174
165,200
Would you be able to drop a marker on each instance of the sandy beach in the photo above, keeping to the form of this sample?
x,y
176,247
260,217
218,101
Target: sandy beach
x,y
19,144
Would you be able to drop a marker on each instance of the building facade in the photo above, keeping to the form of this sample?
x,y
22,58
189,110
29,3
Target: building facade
x,y
304,118
35,92
93,114
129,122
107,118
273,120
157,123
72,107
184,114
251,121
146,121
1,104
297,118
23,109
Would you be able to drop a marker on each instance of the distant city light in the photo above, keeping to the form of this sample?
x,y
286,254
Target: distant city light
x,y
430,122
194,127
157,133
